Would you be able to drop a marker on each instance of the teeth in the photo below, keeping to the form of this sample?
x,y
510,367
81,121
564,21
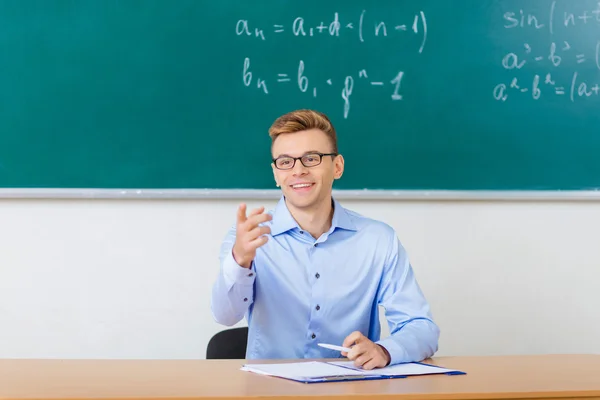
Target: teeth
x,y
301,185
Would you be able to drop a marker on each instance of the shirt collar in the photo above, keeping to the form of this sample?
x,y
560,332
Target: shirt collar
x,y
283,220
341,219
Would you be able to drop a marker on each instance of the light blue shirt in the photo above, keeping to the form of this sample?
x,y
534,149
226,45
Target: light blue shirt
x,y
300,291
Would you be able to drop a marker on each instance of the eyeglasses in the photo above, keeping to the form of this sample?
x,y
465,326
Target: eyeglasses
x,y
308,160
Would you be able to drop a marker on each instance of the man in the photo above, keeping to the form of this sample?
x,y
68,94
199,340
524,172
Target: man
x,y
313,272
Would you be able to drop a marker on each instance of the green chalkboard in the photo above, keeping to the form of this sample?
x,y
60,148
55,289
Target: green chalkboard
x,y
176,94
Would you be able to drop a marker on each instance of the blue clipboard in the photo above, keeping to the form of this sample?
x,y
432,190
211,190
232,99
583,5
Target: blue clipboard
x,y
351,376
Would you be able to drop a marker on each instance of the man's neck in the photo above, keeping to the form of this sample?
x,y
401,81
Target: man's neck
x,y
315,221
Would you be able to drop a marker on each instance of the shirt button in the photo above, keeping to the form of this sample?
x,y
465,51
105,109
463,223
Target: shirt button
x,y
318,307
250,274
317,275
302,232
316,244
313,336
245,299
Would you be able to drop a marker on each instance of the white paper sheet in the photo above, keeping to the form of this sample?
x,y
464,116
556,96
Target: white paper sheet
x,y
313,371
300,370
396,370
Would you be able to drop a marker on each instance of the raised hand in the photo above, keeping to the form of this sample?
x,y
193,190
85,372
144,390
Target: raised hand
x,y
249,235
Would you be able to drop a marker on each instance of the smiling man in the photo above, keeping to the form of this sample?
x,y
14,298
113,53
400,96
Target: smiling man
x,y
313,272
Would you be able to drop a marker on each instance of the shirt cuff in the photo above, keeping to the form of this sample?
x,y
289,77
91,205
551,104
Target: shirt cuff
x,y
235,274
397,352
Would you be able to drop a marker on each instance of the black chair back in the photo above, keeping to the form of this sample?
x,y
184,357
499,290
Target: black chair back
x,y
228,344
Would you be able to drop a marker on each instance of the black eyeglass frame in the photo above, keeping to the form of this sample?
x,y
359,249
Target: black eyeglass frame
x,y
321,155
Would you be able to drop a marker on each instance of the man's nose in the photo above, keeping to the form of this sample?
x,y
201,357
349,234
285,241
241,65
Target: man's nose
x,y
299,168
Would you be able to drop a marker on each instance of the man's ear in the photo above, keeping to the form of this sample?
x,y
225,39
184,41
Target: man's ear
x,y
274,174
338,167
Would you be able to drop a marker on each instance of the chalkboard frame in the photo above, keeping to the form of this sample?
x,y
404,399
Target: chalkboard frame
x,y
447,152
272,194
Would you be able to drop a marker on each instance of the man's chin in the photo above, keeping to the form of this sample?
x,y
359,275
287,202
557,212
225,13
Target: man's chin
x,y
300,201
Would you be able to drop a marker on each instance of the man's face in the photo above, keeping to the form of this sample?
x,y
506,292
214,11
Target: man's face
x,y
306,187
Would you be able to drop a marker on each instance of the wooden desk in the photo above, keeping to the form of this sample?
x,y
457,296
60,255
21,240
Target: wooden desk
x,y
514,377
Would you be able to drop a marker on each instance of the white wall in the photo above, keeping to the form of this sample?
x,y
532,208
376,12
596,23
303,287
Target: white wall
x,y
132,279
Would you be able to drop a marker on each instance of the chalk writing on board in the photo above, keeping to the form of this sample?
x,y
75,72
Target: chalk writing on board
x,y
556,68
558,54
303,84
362,27
552,56
365,29
555,18
573,90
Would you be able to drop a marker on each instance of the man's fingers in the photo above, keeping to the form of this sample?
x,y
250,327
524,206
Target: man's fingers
x,y
371,364
256,243
354,337
356,351
256,211
241,214
362,360
258,231
254,220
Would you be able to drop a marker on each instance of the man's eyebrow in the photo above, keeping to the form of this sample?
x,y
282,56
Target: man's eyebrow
x,y
303,154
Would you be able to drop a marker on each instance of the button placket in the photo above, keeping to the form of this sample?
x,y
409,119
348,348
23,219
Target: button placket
x,y
315,317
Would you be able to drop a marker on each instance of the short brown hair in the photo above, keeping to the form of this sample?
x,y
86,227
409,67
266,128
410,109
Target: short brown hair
x,y
302,120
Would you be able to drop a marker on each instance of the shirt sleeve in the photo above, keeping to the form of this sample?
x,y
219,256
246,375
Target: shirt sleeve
x,y
413,334
233,290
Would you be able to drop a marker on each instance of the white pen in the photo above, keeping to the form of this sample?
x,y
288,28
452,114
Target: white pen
x,y
334,347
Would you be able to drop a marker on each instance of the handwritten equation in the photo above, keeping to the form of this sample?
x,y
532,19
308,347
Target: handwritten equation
x,y
301,28
553,56
301,82
574,89
388,85
555,18
553,61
